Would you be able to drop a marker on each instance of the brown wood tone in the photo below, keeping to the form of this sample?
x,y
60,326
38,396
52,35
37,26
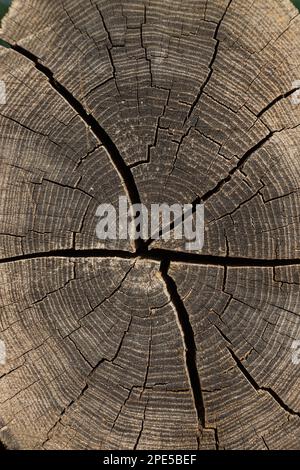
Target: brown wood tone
x,y
122,344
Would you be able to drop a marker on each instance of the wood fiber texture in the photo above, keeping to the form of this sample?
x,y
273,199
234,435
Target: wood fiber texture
x,y
136,345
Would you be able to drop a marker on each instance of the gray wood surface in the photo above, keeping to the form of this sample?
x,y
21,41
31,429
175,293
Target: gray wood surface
x,y
124,345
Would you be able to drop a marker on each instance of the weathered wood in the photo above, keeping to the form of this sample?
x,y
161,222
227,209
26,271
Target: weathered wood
x,y
122,345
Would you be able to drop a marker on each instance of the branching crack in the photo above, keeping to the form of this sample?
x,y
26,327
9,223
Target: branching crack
x,y
102,136
256,386
72,402
158,255
2,446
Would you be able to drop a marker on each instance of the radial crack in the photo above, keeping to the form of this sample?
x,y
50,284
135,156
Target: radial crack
x,y
255,385
142,427
188,342
99,132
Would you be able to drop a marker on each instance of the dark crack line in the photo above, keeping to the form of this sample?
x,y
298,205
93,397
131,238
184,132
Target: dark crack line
x,y
217,439
194,258
102,136
264,441
28,129
255,385
73,401
202,199
210,66
276,100
252,381
2,446
121,409
189,342
238,166
72,253
62,414
158,255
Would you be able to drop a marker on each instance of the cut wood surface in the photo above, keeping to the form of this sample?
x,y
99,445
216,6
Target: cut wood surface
x,y
121,344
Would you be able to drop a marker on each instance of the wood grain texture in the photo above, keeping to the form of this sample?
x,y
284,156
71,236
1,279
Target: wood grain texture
x,y
123,345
